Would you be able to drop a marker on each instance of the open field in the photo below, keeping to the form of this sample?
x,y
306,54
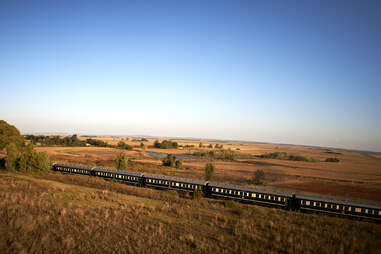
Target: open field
x,y
57,213
356,176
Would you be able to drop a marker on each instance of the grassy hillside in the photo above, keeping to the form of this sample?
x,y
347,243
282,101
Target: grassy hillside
x,y
64,213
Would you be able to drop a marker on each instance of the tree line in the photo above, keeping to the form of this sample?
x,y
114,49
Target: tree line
x,y
73,141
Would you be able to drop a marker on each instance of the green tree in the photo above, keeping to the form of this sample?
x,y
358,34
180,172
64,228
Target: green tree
x,y
120,161
12,156
9,134
169,161
43,161
209,170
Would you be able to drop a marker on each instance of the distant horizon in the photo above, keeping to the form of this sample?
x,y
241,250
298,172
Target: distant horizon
x,y
51,133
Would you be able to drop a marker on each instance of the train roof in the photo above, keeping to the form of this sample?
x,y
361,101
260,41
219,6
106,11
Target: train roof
x,y
115,171
72,166
176,179
244,188
338,201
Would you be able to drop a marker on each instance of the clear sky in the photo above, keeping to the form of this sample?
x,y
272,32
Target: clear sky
x,y
301,72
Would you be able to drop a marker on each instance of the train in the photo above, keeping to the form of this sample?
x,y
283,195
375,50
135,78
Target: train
x,y
272,198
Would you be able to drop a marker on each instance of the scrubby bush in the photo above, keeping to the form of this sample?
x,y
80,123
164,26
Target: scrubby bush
x,y
221,154
209,170
286,156
171,161
178,163
122,145
121,162
165,144
96,142
332,160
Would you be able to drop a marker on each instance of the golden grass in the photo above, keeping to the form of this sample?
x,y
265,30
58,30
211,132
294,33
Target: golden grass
x,y
65,213
357,176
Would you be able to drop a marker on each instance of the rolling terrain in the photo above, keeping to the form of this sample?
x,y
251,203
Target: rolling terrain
x,y
356,176
51,212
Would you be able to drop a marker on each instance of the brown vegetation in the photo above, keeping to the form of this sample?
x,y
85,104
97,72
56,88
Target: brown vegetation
x,y
70,213
358,176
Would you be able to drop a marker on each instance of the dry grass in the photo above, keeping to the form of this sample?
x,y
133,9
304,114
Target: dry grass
x,y
356,176
64,213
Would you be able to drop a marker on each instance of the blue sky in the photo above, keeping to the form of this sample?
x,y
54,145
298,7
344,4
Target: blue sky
x,y
301,72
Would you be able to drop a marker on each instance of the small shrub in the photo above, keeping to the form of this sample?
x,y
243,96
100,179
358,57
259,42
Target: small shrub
x,y
120,161
209,170
332,160
169,161
286,156
178,163
122,145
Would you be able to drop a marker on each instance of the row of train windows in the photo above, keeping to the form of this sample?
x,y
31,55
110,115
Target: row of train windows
x,y
126,177
183,185
186,185
248,194
116,176
340,207
74,170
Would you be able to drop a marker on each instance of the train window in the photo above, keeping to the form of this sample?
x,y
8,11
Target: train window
x,y
314,203
177,184
366,210
253,195
260,196
379,212
217,189
358,210
279,198
308,202
239,193
230,191
337,207
247,194
349,208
